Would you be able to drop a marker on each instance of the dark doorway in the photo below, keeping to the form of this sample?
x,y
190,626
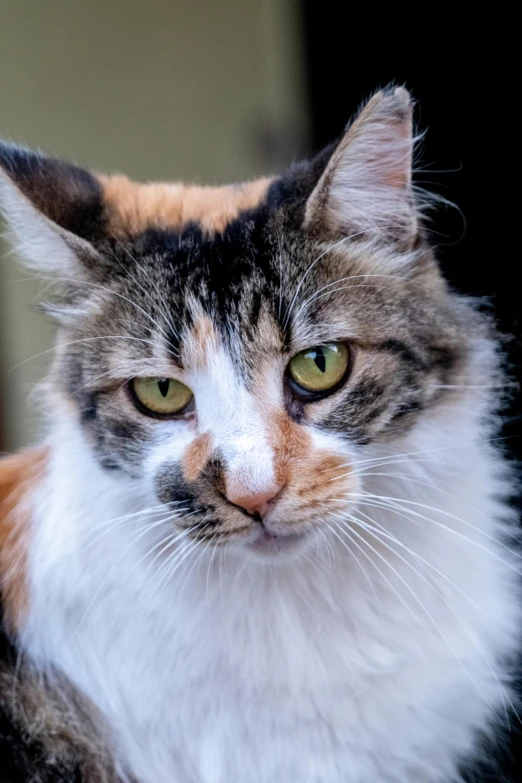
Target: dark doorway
x,y
466,86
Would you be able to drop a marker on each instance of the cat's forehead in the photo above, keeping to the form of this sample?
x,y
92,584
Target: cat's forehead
x,y
208,342
256,286
218,255
132,208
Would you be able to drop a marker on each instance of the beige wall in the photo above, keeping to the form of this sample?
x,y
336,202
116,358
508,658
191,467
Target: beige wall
x,y
206,90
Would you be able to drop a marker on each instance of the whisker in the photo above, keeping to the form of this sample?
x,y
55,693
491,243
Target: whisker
x,y
385,578
134,541
391,457
165,313
396,508
130,368
246,561
329,549
102,288
222,556
451,495
439,511
82,340
316,296
473,385
427,613
352,553
113,524
170,566
165,543
375,534
342,280
280,275
383,532
197,563
328,250
214,550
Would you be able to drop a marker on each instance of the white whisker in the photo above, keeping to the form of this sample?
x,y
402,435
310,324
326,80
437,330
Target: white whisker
x,y
82,340
165,312
384,577
378,536
107,576
352,553
438,511
397,508
311,298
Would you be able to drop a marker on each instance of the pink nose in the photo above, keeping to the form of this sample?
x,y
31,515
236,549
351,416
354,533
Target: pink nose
x,y
258,503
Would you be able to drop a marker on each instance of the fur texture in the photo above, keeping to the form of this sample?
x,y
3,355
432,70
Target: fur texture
x,y
362,627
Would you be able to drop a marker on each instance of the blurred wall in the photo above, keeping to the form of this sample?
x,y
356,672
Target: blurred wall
x,y
209,91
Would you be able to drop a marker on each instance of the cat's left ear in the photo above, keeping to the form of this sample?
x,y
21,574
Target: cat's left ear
x,y
54,211
366,186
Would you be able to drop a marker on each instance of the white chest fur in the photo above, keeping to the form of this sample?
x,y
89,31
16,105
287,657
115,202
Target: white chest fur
x,y
235,671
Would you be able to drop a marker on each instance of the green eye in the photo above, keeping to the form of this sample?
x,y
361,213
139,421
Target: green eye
x,y
319,369
161,396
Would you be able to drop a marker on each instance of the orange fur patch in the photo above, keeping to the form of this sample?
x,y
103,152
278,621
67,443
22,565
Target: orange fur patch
x,y
196,457
307,472
18,475
290,443
133,207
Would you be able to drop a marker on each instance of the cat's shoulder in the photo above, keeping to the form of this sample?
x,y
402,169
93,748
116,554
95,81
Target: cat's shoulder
x,y
19,474
47,732
22,757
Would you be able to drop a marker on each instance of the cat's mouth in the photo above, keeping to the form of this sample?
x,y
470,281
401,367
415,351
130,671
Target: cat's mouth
x,y
269,545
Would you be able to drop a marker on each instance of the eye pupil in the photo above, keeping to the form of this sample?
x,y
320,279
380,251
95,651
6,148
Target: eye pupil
x,y
161,397
320,359
163,385
320,369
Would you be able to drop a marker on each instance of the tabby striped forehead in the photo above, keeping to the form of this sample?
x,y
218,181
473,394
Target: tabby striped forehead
x,y
161,276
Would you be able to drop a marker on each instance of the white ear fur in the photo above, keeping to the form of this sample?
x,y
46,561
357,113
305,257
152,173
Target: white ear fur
x,y
366,185
45,246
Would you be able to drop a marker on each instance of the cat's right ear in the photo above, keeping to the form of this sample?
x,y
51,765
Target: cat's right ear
x,y
367,184
54,212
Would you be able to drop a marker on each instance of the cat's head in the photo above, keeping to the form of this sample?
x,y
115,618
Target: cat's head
x,y
233,349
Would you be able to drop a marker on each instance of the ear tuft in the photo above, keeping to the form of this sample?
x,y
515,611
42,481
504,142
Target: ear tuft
x,y
366,186
54,210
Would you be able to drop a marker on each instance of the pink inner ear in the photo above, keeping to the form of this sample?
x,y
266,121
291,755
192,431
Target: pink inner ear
x,y
376,152
397,172
366,184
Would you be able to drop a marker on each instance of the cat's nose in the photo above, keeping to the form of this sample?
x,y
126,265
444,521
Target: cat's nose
x,y
257,503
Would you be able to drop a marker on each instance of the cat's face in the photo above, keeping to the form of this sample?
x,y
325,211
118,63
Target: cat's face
x,y
233,350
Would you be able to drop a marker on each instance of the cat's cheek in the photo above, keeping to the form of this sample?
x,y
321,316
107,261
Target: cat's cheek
x,y
169,444
321,483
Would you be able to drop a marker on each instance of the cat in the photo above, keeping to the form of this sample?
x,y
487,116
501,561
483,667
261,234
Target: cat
x,y
266,537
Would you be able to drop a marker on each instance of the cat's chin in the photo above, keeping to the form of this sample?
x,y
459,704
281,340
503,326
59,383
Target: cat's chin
x,y
269,547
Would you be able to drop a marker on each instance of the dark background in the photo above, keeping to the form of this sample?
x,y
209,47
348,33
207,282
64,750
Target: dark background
x,y
467,95
466,86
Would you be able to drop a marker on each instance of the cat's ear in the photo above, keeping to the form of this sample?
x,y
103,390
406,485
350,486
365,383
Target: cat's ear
x,y
366,186
54,212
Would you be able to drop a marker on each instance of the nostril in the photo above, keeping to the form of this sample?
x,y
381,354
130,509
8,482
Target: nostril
x,y
257,503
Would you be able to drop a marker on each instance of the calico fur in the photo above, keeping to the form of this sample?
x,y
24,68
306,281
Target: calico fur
x,y
155,642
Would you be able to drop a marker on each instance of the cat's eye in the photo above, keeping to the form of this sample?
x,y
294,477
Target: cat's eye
x,y
319,370
161,397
